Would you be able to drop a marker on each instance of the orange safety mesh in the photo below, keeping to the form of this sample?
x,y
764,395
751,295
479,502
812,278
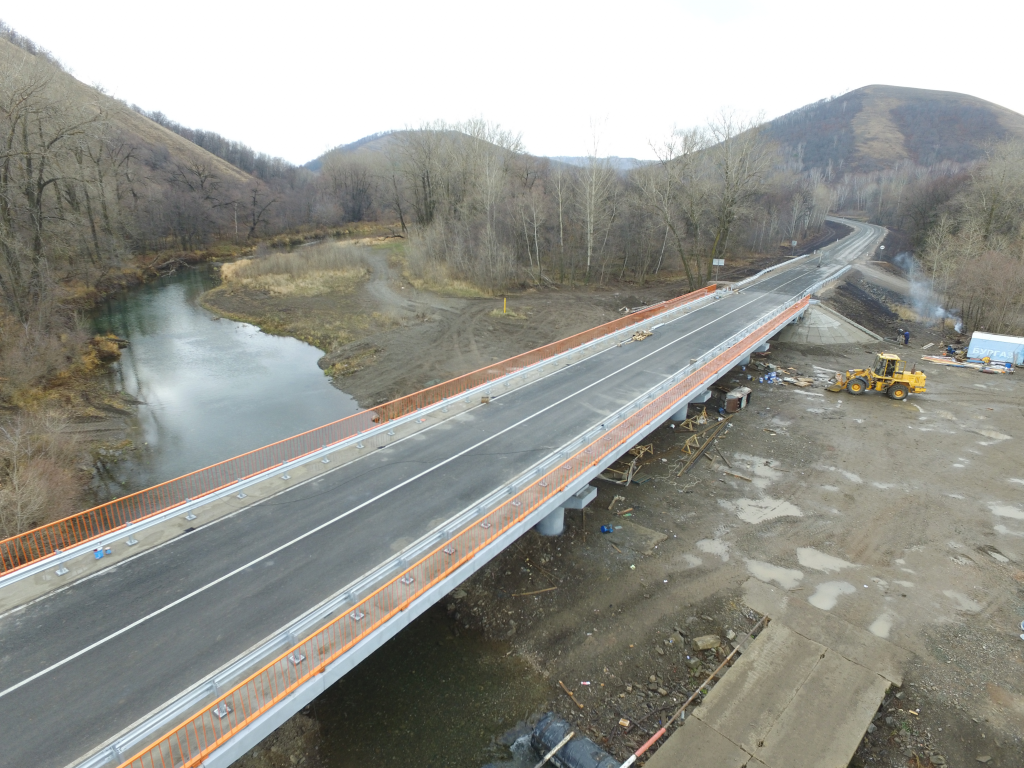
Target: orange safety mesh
x,y
190,743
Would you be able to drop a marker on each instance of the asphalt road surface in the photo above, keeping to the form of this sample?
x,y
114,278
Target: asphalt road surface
x,y
82,664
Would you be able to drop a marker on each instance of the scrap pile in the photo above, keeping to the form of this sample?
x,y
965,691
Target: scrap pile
x,y
774,374
624,472
986,352
697,445
985,365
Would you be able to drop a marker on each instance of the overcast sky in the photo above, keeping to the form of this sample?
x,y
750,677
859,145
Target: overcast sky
x,y
295,78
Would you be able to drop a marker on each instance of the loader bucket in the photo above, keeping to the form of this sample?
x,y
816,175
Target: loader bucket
x,y
838,385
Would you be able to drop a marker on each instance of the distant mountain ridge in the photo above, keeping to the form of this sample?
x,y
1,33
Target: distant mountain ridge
x,y
877,126
376,142
621,164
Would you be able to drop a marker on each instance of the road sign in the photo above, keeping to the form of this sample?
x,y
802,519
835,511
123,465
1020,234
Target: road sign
x,y
793,243
718,262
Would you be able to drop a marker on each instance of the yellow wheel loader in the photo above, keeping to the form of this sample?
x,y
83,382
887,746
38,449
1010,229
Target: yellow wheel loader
x,y
887,375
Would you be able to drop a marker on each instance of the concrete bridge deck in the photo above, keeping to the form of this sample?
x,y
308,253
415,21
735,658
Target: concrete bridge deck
x,y
90,660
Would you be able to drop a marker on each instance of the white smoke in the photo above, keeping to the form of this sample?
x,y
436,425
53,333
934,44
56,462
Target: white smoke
x,y
922,295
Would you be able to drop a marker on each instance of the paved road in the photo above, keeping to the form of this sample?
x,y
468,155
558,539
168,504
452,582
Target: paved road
x,y
84,663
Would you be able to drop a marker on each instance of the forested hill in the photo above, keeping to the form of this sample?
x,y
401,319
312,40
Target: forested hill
x,y
877,126
157,145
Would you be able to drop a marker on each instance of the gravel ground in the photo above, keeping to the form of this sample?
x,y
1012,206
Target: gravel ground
x,y
901,518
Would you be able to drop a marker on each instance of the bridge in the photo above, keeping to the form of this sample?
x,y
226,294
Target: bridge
x,y
181,625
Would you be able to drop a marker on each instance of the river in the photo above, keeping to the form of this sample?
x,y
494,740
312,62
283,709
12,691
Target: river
x,y
211,388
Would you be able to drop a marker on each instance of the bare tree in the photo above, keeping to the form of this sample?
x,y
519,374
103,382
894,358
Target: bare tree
x,y
260,202
742,159
594,183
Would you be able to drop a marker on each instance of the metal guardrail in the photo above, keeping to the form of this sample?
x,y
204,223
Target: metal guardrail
x,y
763,272
190,743
53,538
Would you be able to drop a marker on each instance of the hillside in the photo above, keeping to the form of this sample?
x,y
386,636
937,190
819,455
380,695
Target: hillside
x,y
876,126
157,145
376,143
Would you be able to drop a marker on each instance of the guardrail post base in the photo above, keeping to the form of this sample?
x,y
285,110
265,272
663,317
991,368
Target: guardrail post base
x,y
553,524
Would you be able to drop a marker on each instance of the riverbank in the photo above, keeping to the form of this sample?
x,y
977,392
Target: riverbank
x,y
383,338
389,333
80,411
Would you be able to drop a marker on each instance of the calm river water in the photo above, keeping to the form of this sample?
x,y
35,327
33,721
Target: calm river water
x,y
211,389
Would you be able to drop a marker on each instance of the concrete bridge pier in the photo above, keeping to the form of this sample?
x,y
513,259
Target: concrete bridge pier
x,y
554,523
745,360
680,413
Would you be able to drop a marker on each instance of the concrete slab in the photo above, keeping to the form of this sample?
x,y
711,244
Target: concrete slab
x,y
801,695
748,701
827,717
823,326
698,745
858,645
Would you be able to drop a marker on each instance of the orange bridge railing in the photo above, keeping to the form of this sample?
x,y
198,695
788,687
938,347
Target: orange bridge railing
x,y
23,549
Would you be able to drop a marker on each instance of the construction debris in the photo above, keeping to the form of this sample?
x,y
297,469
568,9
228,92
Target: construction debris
x,y
727,462
691,424
741,477
984,367
802,381
712,434
570,694
641,335
642,450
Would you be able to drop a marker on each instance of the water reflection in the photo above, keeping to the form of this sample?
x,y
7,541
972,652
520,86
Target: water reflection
x,y
211,388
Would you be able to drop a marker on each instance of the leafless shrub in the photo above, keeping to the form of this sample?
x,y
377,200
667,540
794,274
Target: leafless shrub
x,y
37,482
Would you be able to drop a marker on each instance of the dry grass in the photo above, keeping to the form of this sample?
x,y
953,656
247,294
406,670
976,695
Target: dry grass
x,y
309,271
509,315
435,277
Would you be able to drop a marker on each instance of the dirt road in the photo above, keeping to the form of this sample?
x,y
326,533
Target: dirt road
x,y
433,338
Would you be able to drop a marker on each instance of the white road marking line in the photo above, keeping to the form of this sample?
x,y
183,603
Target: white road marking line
x,y
366,503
